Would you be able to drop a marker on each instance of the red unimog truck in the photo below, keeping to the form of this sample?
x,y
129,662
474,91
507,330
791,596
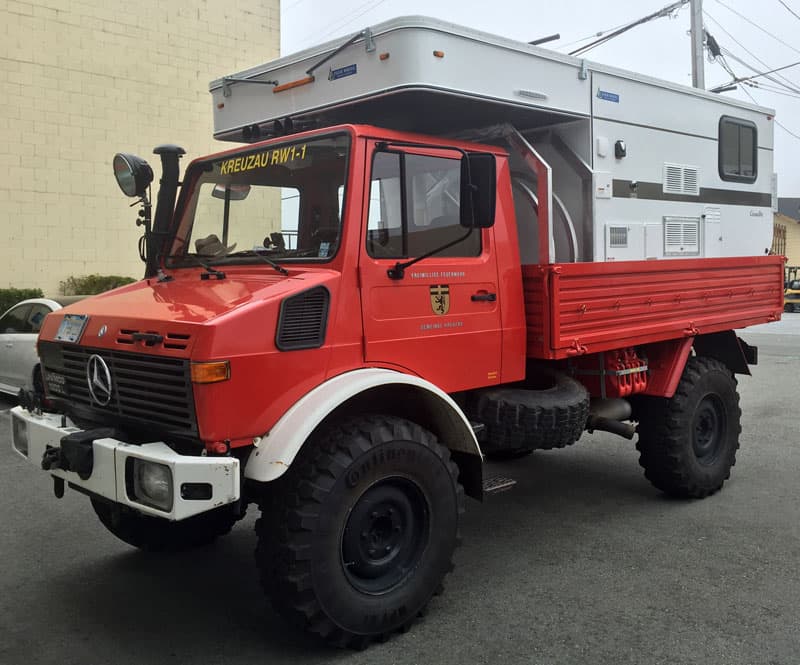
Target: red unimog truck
x,y
339,320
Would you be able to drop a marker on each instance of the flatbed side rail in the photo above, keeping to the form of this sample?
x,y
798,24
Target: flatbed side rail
x,y
596,307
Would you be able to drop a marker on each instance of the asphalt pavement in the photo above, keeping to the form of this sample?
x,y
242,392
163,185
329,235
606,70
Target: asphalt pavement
x,y
582,562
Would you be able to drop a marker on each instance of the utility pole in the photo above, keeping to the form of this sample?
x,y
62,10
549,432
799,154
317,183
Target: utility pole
x,y
698,71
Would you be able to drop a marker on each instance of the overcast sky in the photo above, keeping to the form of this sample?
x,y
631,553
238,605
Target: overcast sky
x,y
659,48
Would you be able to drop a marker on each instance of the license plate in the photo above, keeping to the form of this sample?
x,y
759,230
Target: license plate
x,y
56,383
71,327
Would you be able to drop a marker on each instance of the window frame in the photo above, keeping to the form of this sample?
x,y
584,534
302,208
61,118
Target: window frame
x,y
739,123
404,193
187,200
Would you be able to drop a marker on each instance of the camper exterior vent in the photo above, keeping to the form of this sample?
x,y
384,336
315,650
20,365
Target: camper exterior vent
x,y
617,237
681,179
681,236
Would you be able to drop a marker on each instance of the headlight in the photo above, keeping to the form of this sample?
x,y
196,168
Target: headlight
x,y
152,484
133,174
19,436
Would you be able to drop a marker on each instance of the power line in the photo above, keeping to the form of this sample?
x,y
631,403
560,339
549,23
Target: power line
x,y
771,71
781,125
664,11
786,129
766,32
370,5
772,90
599,33
746,79
791,84
789,9
777,80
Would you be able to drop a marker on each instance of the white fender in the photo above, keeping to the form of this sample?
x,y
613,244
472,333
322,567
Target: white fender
x,y
277,449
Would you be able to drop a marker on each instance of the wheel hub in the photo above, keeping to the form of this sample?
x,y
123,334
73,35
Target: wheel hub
x,y
385,536
708,430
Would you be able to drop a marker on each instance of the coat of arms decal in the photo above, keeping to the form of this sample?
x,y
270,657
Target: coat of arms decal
x,y
440,298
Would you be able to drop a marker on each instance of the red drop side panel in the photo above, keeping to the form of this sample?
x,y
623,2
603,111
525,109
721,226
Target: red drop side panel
x,y
578,308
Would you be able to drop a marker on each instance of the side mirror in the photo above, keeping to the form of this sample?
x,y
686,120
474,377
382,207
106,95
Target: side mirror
x,y
478,190
133,174
231,192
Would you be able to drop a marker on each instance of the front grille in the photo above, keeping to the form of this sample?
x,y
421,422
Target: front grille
x,y
150,392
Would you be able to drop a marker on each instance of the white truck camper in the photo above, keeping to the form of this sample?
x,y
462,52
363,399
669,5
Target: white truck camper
x,y
639,168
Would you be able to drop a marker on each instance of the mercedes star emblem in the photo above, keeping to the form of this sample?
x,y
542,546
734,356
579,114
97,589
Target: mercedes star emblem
x,y
99,379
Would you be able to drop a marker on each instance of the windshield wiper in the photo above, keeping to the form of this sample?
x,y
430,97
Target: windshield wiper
x,y
265,259
210,270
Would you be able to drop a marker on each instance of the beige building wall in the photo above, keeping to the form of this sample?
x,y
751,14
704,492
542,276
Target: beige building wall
x,y
83,80
792,227
793,243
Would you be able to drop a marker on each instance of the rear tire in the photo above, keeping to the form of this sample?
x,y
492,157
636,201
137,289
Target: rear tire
x,y
361,530
155,534
688,443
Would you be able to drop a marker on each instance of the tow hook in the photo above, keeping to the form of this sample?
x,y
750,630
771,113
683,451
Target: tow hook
x,y
51,458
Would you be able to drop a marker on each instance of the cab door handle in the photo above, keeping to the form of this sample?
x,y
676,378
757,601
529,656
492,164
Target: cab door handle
x,y
483,296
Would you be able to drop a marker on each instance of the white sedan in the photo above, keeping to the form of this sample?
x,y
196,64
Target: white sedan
x,y
19,328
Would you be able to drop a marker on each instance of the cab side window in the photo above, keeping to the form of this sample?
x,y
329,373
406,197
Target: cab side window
x,y
414,207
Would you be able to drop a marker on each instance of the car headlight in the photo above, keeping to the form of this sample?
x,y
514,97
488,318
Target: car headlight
x,y
19,435
152,484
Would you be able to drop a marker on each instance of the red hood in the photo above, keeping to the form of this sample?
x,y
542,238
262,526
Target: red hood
x,y
175,309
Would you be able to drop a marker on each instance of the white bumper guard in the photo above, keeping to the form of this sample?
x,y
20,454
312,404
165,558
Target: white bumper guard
x,y
151,478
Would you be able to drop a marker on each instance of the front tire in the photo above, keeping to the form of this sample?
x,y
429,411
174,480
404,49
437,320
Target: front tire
x,y
361,530
688,443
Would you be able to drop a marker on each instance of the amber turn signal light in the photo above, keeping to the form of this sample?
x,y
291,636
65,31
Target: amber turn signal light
x,y
211,372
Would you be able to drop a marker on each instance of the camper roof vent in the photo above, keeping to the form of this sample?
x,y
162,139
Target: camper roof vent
x,y
681,179
681,236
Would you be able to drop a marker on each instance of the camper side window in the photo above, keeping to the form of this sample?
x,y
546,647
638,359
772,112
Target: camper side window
x,y
738,150
414,207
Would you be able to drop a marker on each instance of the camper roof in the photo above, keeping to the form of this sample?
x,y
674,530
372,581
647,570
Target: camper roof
x,y
417,73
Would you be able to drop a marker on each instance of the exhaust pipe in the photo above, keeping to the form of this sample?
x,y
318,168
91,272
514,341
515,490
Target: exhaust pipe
x,y
607,415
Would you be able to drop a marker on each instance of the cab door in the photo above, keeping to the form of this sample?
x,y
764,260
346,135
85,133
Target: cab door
x,y
440,319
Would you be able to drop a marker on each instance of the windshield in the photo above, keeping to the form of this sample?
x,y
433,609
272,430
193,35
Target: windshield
x,y
283,203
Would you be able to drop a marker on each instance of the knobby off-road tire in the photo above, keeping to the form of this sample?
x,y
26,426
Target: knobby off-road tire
x,y
154,534
361,530
520,420
687,444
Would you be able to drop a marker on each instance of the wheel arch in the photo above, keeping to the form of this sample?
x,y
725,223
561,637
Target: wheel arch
x,y
370,390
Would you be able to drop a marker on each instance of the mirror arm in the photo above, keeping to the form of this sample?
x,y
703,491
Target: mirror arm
x,y
398,271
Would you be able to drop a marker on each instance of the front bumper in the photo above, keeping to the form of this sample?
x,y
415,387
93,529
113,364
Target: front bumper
x,y
35,434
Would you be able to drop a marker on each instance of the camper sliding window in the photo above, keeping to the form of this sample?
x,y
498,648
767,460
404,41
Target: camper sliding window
x,y
414,207
738,150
